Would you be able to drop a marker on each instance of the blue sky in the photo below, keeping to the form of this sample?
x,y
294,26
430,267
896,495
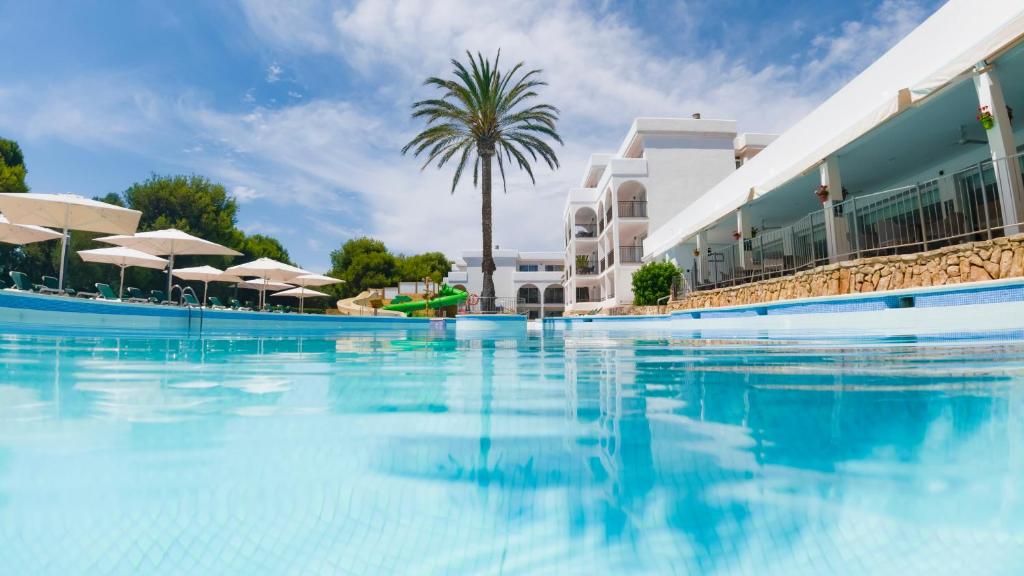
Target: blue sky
x,y
299,108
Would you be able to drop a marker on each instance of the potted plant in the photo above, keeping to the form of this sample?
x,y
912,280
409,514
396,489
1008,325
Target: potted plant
x,y
753,232
822,193
696,252
988,121
736,235
582,262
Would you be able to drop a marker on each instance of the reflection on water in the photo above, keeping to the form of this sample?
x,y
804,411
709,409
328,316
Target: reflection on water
x,y
405,453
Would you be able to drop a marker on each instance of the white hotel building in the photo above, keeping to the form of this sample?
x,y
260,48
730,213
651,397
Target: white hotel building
x,y
531,279
662,166
919,151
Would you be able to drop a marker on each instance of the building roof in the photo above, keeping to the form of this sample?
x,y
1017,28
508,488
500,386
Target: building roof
x,y
939,51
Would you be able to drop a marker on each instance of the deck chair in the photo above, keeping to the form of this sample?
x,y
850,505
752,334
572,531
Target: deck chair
x,y
20,281
158,297
189,300
106,293
215,302
135,295
49,286
236,305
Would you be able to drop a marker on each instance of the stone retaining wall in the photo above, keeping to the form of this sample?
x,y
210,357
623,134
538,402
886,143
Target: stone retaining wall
x,y
971,262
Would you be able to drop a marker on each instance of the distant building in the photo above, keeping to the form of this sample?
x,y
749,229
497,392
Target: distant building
x,y
534,278
662,166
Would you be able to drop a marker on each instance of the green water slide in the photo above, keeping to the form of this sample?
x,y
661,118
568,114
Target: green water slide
x,y
447,296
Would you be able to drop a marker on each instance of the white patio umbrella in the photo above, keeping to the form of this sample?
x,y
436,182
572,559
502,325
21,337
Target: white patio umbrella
x,y
205,274
122,257
301,293
268,270
68,212
21,234
262,285
313,280
170,243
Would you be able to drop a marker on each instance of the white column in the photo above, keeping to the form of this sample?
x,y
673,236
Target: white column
x,y
542,301
741,227
702,258
1001,144
834,225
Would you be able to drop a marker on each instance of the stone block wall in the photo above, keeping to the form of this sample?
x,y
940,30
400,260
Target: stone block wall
x,y
970,262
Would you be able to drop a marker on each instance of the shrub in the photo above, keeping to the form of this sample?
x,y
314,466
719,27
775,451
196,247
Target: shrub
x,y
652,282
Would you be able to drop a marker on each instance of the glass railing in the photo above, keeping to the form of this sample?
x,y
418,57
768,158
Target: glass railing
x,y
961,207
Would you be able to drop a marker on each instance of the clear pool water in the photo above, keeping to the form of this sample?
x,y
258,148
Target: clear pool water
x,y
419,454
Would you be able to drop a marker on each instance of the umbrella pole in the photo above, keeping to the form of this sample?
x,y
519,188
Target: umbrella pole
x,y
302,299
63,257
206,286
170,272
120,291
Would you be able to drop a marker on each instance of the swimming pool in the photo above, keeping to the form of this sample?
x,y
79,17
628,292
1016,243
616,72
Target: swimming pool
x,y
416,452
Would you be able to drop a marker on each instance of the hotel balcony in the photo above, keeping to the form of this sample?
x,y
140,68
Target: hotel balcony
x,y
631,254
632,209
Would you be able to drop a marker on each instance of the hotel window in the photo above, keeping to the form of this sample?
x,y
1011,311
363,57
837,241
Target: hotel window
x,y
554,268
528,268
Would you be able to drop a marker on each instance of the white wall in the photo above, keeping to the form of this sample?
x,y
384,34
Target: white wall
x,y
680,170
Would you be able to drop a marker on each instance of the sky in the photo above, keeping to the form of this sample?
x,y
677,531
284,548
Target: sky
x,y
300,108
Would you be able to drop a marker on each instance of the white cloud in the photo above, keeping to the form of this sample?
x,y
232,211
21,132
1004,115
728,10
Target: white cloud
x,y
274,73
601,71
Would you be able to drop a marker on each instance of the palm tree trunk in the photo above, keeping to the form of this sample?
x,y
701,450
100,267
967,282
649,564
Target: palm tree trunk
x,y
487,264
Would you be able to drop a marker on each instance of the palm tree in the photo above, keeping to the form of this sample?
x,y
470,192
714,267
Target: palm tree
x,y
486,114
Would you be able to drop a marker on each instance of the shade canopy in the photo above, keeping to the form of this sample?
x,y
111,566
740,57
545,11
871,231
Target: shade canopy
x,y
68,211
314,280
261,284
300,292
267,269
24,234
122,257
205,274
170,242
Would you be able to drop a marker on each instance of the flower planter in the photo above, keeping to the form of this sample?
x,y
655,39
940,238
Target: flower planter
x,y
696,253
736,236
988,121
822,193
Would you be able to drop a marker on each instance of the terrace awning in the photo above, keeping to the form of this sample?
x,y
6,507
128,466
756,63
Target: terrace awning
x,y
942,49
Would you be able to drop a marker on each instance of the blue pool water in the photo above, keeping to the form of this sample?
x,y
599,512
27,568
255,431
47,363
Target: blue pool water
x,y
399,453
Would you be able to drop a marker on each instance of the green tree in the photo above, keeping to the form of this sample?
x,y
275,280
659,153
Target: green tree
x,y
363,263
12,167
193,204
261,246
653,281
433,265
485,114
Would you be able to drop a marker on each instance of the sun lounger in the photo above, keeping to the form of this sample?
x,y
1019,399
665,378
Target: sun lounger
x,y
135,295
105,292
49,286
21,282
215,302
157,297
236,305
189,300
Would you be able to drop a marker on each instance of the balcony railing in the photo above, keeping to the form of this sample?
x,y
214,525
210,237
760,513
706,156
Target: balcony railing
x,y
631,254
586,230
632,209
611,258
961,207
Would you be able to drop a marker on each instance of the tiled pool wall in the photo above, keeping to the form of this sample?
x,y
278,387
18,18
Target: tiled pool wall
x,y
988,307
996,306
28,311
